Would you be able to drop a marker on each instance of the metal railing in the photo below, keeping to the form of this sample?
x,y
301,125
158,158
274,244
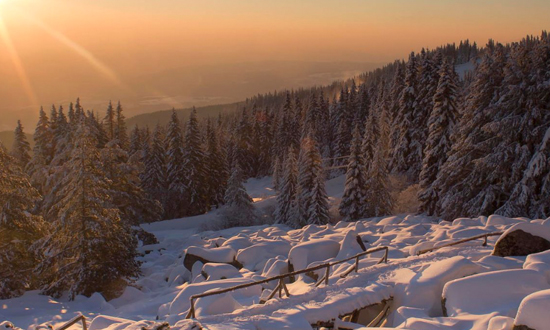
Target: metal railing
x,y
280,278
484,236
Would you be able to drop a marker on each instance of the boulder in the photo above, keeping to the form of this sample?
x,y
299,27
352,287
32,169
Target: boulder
x,y
223,254
520,243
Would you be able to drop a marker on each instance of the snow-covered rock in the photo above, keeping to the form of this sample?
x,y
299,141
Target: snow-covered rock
x,y
303,254
534,311
216,271
425,288
522,239
499,291
225,254
254,257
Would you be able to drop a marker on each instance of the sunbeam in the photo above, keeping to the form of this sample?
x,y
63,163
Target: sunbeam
x,y
101,67
25,82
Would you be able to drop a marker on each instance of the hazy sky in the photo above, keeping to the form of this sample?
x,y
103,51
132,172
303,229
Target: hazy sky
x,y
54,50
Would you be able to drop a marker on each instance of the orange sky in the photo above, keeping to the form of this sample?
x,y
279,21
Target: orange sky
x,y
54,50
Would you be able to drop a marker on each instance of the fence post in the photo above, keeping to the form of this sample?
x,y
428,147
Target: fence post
x,y
327,274
485,241
357,264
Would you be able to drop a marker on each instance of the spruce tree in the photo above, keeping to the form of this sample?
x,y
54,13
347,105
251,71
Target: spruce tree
x,y
352,203
89,249
217,174
404,153
286,211
194,169
19,228
21,147
153,177
441,127
124,187
177,186
42,152
311,195
109,122
239,210
121,132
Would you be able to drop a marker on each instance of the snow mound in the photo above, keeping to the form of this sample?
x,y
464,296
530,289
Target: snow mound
x,y
499,291
424,289
181,303
303,254
534,311
254,257
216,271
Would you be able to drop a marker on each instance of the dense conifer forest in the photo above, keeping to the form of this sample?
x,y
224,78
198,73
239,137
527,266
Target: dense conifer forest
x,y
464,146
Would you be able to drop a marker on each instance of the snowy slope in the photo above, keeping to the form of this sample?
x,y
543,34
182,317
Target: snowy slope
x,y
416,283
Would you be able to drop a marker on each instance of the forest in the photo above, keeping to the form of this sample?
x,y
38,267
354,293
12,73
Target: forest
x,y
463,146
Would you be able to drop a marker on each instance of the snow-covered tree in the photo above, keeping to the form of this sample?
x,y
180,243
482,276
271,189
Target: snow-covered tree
x,y
441,127
194,169
19,228
353,201
89,249
124,188
217,174
153,177
286,211
239,210
177,186
121,132
405,155
42,152
311,195
21,147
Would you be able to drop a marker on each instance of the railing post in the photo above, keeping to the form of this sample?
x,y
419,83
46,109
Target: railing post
x,y
386,255
485,241
191,313
84,327
327,274
357,264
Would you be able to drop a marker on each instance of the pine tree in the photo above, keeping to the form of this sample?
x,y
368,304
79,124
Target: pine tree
x,y
441,127
89,249
286,211
194,169
239,210
311,195
217,174
277,173
125,191
353,200
21,147
378,198
457,181
136,143
153,177
177,186
109,122
19,228
42,152
405,156
121,132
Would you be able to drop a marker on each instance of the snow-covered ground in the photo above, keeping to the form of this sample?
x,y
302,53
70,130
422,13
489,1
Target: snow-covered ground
x,y
479,291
